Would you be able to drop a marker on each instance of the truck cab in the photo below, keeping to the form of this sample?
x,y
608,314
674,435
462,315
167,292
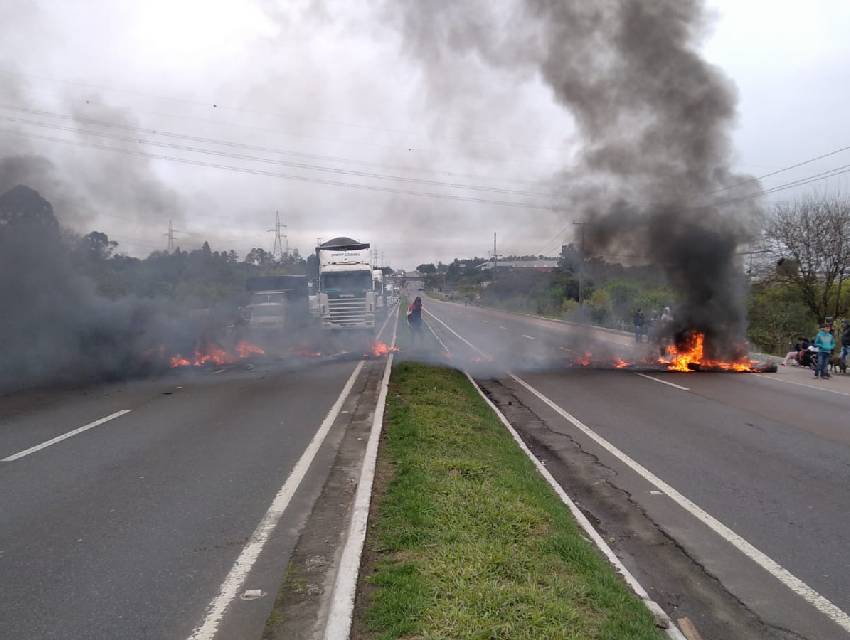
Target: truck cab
x,y
346,296
277,303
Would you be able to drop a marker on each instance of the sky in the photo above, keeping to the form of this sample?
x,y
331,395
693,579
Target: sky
x,y
216,114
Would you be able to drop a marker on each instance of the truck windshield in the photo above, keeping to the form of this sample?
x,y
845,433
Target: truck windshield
x,y
266,310
263,298
351,282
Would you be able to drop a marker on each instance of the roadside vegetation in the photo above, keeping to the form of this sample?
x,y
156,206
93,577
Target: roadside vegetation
x,y
798,272
466,539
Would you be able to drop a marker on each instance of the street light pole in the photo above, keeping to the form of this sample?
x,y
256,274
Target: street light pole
x,y
580,225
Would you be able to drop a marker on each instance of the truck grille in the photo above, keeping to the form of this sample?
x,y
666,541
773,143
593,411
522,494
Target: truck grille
x,y
349,312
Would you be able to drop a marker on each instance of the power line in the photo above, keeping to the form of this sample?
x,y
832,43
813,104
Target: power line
x,y
783,169
250,158
233,144
218,106
823,175
286,176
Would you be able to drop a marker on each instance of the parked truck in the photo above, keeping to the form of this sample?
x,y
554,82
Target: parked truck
x,y
277,304
345,298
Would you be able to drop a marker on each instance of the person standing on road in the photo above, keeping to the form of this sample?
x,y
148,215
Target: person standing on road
x,y
845,343
640,325
825,342
414,320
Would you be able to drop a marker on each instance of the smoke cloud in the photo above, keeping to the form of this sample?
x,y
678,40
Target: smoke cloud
x,y
55,326
653,177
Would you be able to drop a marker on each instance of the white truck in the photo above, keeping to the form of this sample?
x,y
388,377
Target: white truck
x,y
380,293
346,297
278,303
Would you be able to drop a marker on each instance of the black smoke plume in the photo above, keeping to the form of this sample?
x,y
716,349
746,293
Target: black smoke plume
x,y
54,326
653,177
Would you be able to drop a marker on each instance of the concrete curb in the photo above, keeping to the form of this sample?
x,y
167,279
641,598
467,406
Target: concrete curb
x,y
345,585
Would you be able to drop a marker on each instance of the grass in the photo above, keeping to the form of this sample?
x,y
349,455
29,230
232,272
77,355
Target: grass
x,y
468,541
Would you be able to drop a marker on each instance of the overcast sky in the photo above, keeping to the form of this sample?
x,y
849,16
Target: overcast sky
x,y
132,102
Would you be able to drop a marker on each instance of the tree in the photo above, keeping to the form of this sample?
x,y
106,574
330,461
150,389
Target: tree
x,y
97,245
810,239
259,257
426,269
777,316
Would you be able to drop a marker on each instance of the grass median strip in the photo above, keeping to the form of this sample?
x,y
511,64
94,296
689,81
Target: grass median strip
x,y
466,540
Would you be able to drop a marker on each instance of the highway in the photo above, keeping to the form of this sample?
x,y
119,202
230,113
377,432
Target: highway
x,y
725,494
125,507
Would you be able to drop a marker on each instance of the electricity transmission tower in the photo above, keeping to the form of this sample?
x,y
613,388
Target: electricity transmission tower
x,y
170,235
281,240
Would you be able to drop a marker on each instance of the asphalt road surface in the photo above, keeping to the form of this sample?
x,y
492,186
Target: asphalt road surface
x,y
130,527
755,467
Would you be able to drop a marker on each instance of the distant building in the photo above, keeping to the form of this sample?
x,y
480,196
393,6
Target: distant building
x,y
544,265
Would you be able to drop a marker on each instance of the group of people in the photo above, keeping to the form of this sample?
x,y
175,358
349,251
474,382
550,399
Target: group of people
x,y
820,350
642,324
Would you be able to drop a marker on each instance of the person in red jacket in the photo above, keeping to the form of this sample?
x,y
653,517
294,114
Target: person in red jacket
x,y
414,319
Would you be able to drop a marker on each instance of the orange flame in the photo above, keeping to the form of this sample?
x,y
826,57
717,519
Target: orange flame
x,y
619,363
245,349
382,348
214,354
585,360
691,356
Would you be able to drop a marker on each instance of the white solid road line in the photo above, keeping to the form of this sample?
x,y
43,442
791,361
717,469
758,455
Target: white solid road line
x,y
251,551
460,337
585,524
765,562
384,326
64,436
669,384
345,586
529,337
438,338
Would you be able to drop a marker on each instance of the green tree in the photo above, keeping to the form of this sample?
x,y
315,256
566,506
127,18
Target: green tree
x,y
600,305
777,316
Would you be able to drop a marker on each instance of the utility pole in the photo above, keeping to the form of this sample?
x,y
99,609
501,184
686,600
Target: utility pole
x,y
580,225
495,257
278,250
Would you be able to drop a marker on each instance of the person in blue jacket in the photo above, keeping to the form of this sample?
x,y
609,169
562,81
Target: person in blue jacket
x,y
825,342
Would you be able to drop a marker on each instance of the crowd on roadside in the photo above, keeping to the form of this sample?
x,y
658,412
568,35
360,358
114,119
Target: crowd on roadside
x,y
650,328
826,352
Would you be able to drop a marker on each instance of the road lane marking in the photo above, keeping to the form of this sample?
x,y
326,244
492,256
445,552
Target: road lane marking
x,y
389,315
582,520
784,576
803,384
501,327
669,384
232,584
433,333
456,334
64,436
764,561
341,611
529,337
